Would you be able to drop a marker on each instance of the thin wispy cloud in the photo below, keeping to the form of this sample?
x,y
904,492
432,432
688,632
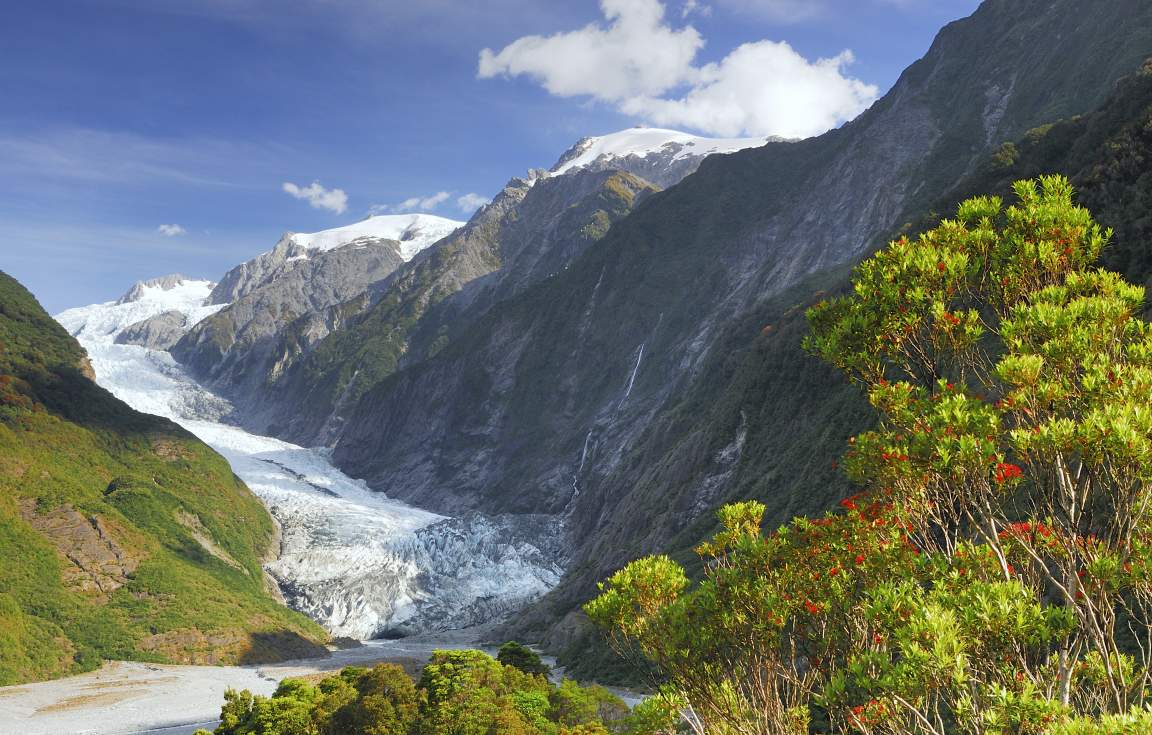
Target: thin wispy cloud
x,y
647,69
171,230
470,202
695,7
430,203
427,203
333,200
780,11
83,154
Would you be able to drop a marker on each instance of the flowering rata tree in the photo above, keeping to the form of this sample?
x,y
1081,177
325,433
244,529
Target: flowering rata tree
x,y
994,576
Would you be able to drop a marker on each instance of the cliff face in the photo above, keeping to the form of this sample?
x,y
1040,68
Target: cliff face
x,y
619,393
235,349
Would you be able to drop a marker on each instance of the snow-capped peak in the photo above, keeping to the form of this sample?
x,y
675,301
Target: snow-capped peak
x,y
144,300
414,232
643,142
141,289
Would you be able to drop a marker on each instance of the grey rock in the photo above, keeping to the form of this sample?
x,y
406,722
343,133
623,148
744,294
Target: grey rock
x,y
158,333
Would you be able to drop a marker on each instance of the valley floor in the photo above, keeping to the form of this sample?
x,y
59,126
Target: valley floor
x,y
129,698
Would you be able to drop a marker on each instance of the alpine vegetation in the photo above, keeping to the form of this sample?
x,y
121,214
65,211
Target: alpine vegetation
x,y
992,576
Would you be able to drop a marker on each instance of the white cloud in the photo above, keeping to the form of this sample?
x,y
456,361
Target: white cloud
x,y
470,202
695,7
635,54
413,204
334,200
171,230
647,70
763,88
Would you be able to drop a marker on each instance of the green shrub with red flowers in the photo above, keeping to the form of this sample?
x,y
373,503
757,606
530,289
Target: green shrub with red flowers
x,y
994,574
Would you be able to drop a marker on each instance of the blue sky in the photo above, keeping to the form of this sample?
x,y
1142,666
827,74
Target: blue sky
x,y
119,116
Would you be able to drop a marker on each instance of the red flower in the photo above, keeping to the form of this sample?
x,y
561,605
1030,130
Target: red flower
x,y
859,558
1006,471
941,267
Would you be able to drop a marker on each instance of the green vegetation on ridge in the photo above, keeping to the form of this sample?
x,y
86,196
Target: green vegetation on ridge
x,y
121,535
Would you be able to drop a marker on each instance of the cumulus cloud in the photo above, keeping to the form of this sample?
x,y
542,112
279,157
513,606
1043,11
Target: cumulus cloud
x,y
763,88
647,69
636,53
334,200
171,230
470,202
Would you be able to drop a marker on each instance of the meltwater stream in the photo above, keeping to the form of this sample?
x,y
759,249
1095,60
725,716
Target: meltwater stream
x,y
359,563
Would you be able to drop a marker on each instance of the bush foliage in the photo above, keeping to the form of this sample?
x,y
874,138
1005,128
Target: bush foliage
x,y
459,692
993,574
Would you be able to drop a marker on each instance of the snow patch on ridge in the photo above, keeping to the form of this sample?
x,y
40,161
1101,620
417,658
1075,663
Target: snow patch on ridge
x,y
144,300
414,232
642,142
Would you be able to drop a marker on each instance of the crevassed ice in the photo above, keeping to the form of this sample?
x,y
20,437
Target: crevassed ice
x,y
355,560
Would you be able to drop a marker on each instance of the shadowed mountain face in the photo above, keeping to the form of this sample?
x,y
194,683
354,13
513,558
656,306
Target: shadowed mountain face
x,y
617,393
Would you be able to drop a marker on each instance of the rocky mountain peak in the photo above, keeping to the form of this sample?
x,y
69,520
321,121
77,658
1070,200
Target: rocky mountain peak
x,y
658,155
164,283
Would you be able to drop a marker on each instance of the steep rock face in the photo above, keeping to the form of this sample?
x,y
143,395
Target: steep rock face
x,y
242,348
156,333
608,394
235,348
409,234
529,232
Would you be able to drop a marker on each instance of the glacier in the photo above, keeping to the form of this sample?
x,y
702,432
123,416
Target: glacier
x,y
358,562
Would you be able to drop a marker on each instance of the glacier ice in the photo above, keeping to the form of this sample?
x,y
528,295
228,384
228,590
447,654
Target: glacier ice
x,y
358,562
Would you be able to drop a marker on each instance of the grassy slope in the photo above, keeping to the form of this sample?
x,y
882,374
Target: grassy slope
x,y
153,487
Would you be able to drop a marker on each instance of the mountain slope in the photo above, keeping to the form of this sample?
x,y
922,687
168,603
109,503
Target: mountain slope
x,y
121,535
236,349
530,231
